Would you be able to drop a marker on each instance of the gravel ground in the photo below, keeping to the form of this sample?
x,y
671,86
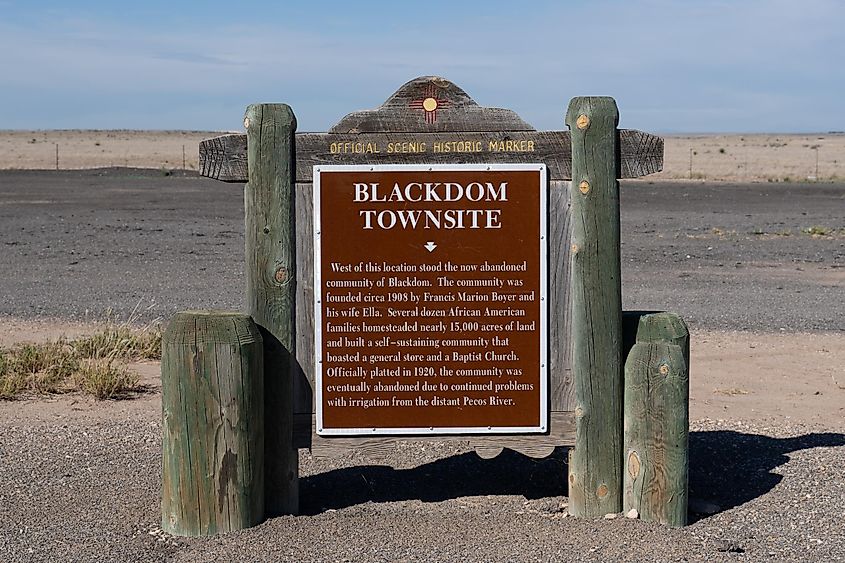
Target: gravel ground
x,y
723,256
88,490
81,486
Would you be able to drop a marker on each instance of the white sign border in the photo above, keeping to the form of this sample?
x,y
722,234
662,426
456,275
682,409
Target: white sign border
x,y
544,302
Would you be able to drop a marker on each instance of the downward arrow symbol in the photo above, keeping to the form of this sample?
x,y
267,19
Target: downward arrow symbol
x,y
430,246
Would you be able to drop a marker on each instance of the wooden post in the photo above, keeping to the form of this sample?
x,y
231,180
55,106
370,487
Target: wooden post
x,y
212,372
271,287
595,480
657,420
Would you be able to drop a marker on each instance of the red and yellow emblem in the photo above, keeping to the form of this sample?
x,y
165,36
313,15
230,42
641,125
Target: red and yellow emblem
x,y
429,103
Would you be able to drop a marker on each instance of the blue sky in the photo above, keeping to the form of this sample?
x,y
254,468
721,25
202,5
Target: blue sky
x,y
696,66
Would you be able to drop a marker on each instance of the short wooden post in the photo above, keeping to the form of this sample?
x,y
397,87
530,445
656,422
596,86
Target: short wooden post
x,y
657,420
595,480
271,287
212,380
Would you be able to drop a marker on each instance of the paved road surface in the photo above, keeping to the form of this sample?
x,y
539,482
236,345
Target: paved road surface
x,y
725,256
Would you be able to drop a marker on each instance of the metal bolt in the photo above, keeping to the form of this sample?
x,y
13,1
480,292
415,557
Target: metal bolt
x,y
583,121
584,186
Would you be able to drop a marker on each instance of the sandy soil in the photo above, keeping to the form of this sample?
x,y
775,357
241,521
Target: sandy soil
x,y
733,376
36,150
757,157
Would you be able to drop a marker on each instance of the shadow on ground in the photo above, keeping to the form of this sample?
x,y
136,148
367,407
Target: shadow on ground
x,y
727,468
510,473
730,468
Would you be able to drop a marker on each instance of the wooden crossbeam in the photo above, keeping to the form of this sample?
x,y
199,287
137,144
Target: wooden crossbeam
x,y
224,158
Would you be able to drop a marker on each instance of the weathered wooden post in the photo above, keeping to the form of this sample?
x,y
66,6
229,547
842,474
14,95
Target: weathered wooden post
x,y
595,480
212,424
657,420
271,286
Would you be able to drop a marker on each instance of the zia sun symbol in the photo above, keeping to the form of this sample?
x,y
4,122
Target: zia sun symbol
x,y
429,103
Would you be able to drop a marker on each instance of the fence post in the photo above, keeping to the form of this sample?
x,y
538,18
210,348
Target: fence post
x,y
212,408
657,420
595,479
271,285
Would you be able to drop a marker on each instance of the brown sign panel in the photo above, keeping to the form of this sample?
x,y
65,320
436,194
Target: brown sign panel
x,y
430,288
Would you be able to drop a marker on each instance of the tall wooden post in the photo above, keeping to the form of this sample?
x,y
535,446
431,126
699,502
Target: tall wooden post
x,y
271,287
212,424
657,420
595,477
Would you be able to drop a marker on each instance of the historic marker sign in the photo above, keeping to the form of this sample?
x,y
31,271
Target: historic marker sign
x,y
430,305
430,285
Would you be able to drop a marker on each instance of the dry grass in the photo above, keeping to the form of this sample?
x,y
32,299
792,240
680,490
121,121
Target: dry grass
x,y
732,391
12,382
820,231
105,378
94,364
42,368
121,341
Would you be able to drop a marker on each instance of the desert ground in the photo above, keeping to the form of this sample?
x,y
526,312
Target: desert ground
x,y
754,263
735,157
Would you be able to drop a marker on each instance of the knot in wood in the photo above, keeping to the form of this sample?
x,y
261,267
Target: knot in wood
x,y
281,275
602,491
634,465
664,369
574,248
582,122
246,123
584,187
